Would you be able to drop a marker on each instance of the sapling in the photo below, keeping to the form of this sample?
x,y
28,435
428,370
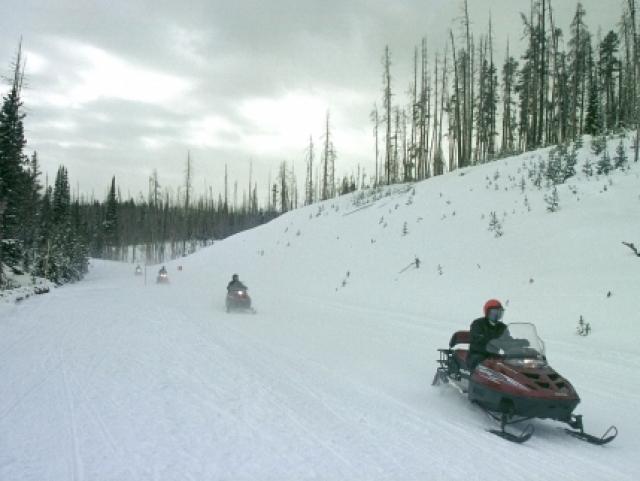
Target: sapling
x,y
494,225
553,200
583,328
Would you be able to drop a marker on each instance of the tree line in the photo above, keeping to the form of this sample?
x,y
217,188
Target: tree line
x,y
461,112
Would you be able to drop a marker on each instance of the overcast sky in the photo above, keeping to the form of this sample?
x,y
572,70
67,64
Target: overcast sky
x,y
123,87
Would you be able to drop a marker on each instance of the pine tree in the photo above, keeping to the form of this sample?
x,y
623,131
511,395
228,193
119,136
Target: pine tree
x,y
110,225
43,241
603,167
31,221
59,243
509,122
593,123
569,164
587,168
494,225
620,160
579,47
599,144
12,169
553,200
609,67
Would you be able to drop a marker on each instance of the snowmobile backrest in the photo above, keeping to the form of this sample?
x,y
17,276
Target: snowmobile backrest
x,y
460,337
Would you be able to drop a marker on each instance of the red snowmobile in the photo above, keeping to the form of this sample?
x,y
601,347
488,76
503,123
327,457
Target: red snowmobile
x,y
238,298
515,384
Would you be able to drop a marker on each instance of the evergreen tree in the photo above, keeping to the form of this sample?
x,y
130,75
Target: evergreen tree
x,y
31,221
579,47
599,144
110,225
67,252
495,226
593,124
509,122
587,168
12,169
609,67
553,200
569,164
620,160
603,167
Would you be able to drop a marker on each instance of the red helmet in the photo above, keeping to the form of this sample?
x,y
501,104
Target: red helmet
x,y
490,304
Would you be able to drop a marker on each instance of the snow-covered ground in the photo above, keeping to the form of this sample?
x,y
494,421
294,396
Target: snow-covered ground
x,y
118,378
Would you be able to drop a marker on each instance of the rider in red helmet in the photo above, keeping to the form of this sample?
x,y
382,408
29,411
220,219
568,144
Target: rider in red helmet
x,y
483,330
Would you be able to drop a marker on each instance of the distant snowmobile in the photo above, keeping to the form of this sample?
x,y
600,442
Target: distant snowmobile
x,y
162,278
138,271
238,298
515,384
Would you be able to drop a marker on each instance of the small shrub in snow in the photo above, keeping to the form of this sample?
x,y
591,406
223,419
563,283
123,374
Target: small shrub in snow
x,y
494,225
620,160
587,168
583,328
598,144
553,200
603,167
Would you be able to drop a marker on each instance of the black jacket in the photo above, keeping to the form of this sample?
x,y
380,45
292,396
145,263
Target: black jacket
x,y
235,284
481,333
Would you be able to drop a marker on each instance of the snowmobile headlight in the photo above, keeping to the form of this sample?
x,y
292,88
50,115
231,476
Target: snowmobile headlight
x,y
528,363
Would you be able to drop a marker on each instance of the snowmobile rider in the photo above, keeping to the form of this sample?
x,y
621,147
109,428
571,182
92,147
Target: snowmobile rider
x,y
235,282
483,330
162,271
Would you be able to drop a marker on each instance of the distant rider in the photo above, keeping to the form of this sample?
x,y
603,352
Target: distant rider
x,y
162,270
483,330
235,283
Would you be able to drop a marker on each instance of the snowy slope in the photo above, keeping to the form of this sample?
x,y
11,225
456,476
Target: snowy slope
x,y
115,378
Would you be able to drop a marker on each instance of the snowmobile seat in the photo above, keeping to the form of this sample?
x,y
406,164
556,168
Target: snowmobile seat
x,y
461,355
460,337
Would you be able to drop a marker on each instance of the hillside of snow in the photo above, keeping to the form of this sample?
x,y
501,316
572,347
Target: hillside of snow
x,y
117,377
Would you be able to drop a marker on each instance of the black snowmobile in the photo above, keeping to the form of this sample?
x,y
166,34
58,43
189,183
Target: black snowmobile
x,y
138,271
238,298
162,278
515,384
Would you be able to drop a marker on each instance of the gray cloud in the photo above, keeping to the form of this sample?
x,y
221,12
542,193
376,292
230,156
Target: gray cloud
x,y
125,87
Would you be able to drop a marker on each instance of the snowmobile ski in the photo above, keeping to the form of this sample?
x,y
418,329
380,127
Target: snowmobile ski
x,y
523,437
578,432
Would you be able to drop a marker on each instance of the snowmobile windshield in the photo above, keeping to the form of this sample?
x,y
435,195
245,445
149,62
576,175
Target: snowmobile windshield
x,y
237,287
519,341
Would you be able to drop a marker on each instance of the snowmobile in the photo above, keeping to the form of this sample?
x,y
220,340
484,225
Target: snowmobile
x,y
515,384
138,271
238,298
162,278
